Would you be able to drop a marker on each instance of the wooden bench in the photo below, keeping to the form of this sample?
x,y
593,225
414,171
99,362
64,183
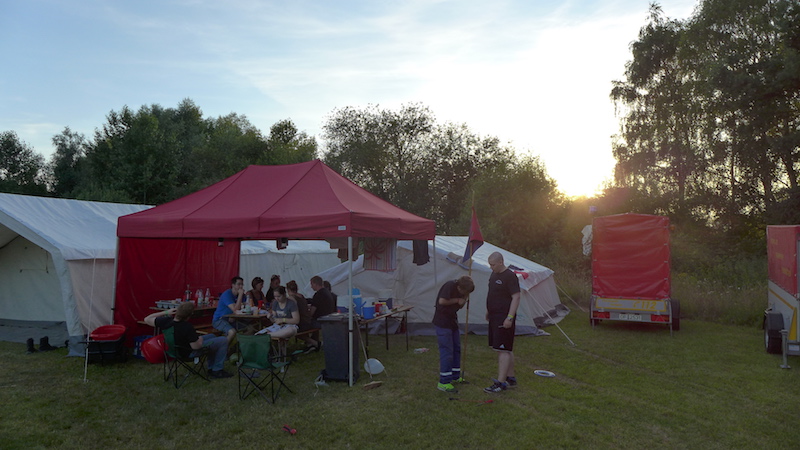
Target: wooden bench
x,y
282,343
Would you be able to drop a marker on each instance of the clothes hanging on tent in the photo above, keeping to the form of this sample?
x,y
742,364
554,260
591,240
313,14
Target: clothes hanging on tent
x,y
380,254
340,244
421,255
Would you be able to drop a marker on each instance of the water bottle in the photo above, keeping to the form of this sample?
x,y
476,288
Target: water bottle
x,y
208,297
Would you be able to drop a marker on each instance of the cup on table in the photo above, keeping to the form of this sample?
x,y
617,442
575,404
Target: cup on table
x,y
255,311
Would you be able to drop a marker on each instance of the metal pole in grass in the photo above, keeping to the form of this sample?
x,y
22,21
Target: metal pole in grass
x,y
466,325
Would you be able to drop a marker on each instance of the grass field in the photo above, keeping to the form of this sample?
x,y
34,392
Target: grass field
x,y
621,386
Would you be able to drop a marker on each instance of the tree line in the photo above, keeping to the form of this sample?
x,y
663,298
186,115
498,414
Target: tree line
x,y
405,156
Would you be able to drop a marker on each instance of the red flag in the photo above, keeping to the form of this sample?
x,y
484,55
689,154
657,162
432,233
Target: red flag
x,y
475,239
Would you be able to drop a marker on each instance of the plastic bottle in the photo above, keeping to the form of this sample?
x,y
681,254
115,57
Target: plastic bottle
x,y
187,294
208,297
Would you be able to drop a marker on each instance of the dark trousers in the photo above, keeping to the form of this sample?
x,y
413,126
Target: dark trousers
x,y
449,354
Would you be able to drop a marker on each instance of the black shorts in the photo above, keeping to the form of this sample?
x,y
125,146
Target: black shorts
x,y
500,338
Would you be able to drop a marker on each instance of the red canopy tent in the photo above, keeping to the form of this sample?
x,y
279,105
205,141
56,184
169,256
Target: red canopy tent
x,y
195,240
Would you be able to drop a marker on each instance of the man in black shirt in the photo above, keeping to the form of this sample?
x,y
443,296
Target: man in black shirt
x,y
502,302
451,297
322,303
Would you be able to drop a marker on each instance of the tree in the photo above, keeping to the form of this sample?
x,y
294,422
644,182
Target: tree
x,y
408,159
657,150
134,157
287,145
519,206
379,148
66,161
232,143
711,112
21,169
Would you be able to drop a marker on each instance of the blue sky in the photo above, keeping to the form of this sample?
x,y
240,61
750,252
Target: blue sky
x,y
535,74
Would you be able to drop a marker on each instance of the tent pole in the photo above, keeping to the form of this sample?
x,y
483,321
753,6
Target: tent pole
x,y
91,314
350,311
114,284
435,274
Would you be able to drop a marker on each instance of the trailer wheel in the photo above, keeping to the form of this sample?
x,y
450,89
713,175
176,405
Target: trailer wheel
x,y
772,333
676,314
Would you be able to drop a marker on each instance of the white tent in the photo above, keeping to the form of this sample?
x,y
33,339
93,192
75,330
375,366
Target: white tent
x,y
299,261
57,260
418,286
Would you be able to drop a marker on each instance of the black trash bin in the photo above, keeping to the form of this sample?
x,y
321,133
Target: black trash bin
x,y
335,345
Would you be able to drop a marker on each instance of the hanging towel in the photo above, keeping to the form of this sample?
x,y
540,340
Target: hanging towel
x,y
340,244
421,255
380,254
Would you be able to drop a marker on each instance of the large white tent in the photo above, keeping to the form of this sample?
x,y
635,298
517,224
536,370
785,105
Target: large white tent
x,y
299,261
57,261
418,285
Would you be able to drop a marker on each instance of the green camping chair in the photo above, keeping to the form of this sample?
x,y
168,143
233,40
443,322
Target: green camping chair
x,y
254,356
193,365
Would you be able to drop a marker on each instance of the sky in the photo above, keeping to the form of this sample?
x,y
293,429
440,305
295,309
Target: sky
x,y
535,74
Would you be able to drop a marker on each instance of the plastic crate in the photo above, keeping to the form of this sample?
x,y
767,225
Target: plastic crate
x,y
137,345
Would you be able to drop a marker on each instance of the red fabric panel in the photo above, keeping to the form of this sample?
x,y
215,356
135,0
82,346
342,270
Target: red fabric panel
x,y
159,269
298,201
782,256
631,256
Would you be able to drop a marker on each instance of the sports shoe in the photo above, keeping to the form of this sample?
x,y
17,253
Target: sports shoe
x,y
460,380
496,387
511,381
449,388
220,374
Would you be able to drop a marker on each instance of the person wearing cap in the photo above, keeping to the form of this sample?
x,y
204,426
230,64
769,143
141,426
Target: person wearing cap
x,y
257,293
274,282
188,341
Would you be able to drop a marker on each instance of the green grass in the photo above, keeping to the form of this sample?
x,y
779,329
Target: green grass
x,y
623,386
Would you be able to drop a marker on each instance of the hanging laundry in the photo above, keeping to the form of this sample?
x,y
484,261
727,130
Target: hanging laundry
x,y
380,254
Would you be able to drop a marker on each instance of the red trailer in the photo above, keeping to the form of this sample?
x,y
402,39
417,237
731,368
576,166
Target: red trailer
x,y
631,271
781,324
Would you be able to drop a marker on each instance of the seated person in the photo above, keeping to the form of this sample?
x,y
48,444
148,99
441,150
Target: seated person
x,y
256,294
188,341
321,303
305,315
284,314
274,282
229,302
327,285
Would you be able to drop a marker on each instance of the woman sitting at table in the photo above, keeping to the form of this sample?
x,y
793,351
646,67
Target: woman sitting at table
x,y
284,314
257,293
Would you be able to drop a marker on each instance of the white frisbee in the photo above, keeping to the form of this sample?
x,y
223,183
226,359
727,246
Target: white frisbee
x,y
544,373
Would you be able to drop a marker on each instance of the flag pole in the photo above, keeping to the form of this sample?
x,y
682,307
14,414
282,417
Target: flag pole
x,y
466,326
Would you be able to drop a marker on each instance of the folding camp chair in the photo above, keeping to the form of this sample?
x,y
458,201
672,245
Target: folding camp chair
x,y
194,364
254,355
